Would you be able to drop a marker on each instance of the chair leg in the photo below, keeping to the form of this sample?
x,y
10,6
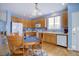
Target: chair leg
x,y
23,51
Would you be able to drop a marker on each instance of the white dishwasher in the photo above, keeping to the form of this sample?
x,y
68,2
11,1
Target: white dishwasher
x,y
62,40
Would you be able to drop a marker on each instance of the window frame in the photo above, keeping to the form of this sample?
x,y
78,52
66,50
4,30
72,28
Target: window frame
x,y
54,23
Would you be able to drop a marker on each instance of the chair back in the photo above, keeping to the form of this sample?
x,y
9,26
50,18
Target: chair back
x,y
14,42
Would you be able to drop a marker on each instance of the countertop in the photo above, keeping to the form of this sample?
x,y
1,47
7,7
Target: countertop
x,y
58,33
52,32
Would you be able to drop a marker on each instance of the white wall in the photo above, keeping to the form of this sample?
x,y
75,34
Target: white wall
x,y
8,24
2,21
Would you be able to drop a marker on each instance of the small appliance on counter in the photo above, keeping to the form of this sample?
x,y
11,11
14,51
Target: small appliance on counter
x,y
66,30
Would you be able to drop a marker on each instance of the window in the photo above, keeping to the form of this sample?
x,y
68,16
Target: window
x,y
50,23
54,22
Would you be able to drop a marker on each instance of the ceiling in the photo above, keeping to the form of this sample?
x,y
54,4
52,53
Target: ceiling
x,y
26,9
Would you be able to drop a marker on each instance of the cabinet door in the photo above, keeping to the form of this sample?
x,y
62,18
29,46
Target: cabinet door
x,y
65,19
45,38
42,22
33,23
50,38
23,22
53,38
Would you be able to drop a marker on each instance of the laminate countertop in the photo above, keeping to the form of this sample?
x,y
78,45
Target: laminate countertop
x,y
52,32
57,33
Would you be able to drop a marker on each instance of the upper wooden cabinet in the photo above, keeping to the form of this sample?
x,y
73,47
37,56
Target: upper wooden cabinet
x,y
15,19
40,21
65,19
29,23
33,23
26,23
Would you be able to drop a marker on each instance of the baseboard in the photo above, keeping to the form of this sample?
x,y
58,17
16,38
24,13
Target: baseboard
x,y
50,43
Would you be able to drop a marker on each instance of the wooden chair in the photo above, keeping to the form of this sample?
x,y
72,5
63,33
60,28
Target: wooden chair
x,y
38,44
15,43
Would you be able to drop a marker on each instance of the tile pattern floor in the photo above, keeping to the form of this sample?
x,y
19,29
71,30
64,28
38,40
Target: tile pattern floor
x,y
52,50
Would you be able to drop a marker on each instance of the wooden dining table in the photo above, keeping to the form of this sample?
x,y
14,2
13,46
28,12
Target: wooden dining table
x,y
27,45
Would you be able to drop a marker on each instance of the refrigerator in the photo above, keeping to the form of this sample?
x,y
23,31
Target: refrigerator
x,y
17,28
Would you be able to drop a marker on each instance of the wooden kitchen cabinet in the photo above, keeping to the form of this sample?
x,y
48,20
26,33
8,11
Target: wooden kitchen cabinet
x,y
41,35
40,21
45,36
50,38
53,38
33,23
65,19
26,23
29,23
15,19
31,33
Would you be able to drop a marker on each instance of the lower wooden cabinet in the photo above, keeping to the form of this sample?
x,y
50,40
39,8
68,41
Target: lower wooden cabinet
x,y
31,33
50,38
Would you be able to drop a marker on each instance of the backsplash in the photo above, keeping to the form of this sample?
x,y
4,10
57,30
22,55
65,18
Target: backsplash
x,y
43,29
40,29
28,29
34,29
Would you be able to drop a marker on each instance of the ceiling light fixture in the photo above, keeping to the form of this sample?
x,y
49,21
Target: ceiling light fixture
x,y
36,11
